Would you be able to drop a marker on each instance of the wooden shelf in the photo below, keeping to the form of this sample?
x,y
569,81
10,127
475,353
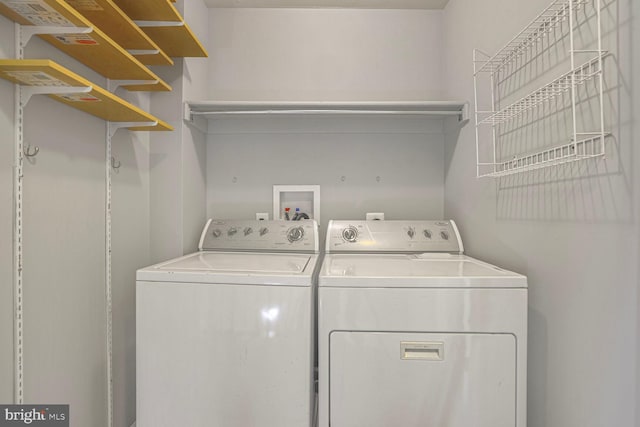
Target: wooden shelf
x,y
113,21
176,40
94,49
98,102
150,10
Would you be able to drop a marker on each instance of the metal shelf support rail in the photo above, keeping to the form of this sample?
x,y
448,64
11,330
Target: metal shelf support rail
x,y
558,12
22,97
111,129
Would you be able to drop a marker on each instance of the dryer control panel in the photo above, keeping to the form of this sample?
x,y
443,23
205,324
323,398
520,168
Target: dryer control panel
x,y
394,236
254,235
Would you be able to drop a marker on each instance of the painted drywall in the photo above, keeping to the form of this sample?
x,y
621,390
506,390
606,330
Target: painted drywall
x,y
324,54
165,169
64,250
64,254
362,164
6,220
195,77
177,170
572,229
371,164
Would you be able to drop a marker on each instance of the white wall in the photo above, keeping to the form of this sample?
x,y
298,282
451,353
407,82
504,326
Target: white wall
x,y
572,229
320,55
391,165
177,158
64,250
324,54
196,76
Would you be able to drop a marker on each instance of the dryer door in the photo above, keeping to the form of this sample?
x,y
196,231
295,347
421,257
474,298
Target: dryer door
x,y
422,379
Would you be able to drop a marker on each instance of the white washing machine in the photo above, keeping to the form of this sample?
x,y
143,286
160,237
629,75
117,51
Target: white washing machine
x,y
225,336
414,333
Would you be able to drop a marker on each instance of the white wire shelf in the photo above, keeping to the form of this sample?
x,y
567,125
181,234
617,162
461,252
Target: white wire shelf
x,y
561,85
590,147
543,24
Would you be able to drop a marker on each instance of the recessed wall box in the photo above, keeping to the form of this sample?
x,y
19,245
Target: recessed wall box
x,y
304,197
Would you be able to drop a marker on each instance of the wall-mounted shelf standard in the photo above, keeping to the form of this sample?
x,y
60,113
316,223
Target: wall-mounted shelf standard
x,y
161,21
61,25
578,93
47,75
113,21
225,108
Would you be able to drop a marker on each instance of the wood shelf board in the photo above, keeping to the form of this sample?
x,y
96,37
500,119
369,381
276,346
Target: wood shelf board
x,y
150,10
113,21
177,41
96,50
98,102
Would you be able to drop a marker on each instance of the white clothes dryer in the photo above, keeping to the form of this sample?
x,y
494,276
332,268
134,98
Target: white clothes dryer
x,y
414,333
225,336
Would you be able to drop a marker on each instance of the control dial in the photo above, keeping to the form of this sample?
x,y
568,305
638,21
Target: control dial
x,y
263,231
216,233
294,234
247,231
350,234
411,232
232,231
427,233
444,235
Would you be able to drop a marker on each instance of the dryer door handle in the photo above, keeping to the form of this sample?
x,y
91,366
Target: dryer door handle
x,y
422,350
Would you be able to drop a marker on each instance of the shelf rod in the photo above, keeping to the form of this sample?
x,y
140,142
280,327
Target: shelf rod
x,y
305,112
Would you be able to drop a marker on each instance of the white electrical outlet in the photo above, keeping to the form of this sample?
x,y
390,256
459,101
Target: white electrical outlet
x,y
262,216
375,216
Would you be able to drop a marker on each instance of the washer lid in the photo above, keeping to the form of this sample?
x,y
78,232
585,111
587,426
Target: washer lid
x,y
428,270
248,268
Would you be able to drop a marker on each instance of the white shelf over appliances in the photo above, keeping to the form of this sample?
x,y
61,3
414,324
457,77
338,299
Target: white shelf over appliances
x,y
429,108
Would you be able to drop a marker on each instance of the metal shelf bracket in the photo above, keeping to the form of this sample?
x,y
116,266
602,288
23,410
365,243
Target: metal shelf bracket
x,y
115,126
28,31
26,92
143,24
115,84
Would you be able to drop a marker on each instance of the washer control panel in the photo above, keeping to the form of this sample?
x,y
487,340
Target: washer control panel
x,y
253,235
393,236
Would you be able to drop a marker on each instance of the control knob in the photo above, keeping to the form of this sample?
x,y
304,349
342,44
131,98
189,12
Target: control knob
x,y
444,235
216,233
411,232
427,233
232,231
263,231
350,234
294,234
248,230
